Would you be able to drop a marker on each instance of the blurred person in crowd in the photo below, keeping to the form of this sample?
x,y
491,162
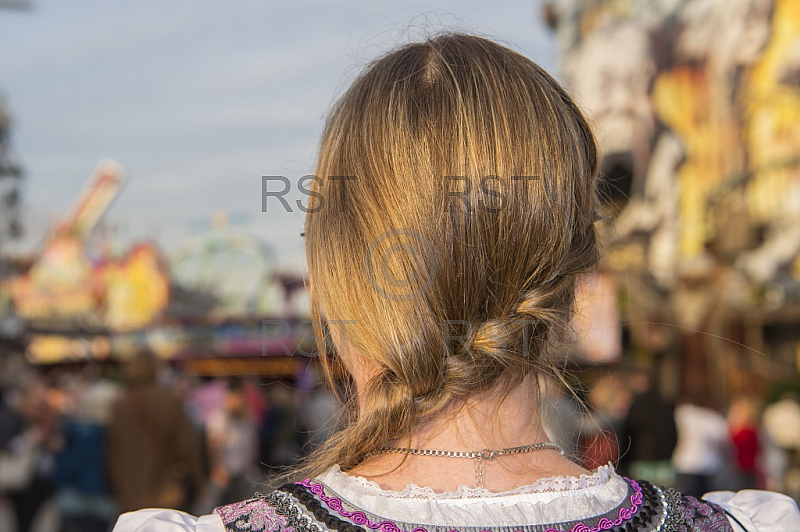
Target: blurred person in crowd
x,y
83,498
279,435
32,438
774,461
319,416
745,443
232,440
648,432
782,424
11,421
254,400
154,453
700,453
204,398
609,400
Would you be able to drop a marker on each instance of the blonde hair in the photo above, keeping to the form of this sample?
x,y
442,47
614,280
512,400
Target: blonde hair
x,y
454,205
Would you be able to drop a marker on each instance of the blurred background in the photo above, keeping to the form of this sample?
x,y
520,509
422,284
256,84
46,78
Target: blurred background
x,y
142,262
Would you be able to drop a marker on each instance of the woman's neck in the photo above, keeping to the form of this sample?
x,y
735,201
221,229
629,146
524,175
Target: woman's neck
x,y
490,422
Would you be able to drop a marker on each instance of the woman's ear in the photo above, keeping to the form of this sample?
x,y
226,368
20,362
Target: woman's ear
x,y
361,368
351,358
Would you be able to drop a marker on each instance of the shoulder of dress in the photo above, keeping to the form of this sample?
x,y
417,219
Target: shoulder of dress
x,y
292,507
762,511
165,520
259,514
694,513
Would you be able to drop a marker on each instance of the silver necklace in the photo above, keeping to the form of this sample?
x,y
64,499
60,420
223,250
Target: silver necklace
x,y
478,456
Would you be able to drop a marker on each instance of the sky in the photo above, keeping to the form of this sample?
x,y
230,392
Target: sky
x,y
197,100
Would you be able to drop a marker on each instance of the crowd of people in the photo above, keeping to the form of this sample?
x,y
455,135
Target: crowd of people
x,y
90,443
693,443
80,446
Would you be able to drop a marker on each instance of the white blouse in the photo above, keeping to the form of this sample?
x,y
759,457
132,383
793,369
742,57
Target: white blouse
x,y
548,500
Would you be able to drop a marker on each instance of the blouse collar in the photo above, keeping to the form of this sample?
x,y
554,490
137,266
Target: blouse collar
x,y
341,481
548,500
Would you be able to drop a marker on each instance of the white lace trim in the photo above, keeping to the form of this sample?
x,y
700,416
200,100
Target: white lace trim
x,y
548,500
554,484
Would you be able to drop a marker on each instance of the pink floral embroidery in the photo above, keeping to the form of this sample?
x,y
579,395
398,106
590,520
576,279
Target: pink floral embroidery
x,y
358,518
254,515
703,515
608,524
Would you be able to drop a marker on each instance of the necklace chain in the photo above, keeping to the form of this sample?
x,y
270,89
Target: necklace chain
x,y
478,456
